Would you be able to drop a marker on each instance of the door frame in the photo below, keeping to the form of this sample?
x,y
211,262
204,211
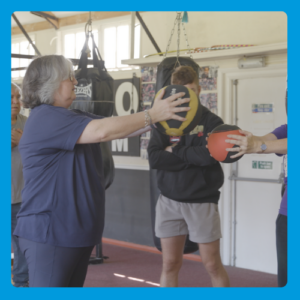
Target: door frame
x,y
226,107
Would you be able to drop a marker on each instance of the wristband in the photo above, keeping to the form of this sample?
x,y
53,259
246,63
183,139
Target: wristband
x,y
148,120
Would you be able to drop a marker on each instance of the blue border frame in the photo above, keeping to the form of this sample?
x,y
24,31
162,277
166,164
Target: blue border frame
x,y
290,9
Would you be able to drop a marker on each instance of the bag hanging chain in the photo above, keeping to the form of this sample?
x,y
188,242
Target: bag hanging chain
x,y
178,32
186,39
178,18
88,24
172,32
178,21
88,29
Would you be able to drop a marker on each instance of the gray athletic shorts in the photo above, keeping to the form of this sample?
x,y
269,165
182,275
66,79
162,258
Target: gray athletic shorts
x,y
200,220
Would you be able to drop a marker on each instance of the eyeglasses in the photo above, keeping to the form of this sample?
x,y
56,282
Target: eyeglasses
x,y
71,76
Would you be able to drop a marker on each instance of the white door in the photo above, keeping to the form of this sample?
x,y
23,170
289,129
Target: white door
x,y
260,109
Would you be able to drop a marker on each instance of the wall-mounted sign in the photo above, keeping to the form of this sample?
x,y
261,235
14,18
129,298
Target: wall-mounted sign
x,y
262,108
264,165
127,102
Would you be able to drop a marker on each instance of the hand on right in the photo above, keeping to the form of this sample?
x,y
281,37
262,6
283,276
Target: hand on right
x,y
246,143
165,109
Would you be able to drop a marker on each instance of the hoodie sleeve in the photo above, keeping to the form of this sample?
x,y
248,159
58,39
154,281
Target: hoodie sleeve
x,y
198,155
159,158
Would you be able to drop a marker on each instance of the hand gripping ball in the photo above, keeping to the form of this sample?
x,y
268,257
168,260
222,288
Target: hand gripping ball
x,y
217,146
175,127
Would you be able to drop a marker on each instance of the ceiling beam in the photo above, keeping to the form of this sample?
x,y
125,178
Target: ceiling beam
x,y
72,20
148,32
48,16
26,35
44,14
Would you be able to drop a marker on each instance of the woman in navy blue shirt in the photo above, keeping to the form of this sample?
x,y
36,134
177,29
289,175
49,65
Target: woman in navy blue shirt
x,y
62,215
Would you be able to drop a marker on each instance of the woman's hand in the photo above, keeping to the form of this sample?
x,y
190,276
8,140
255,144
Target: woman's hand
x,y
108,129
15,137
247,143
166,109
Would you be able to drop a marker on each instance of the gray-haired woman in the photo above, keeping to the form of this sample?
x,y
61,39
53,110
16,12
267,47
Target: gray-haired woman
x,y
62,215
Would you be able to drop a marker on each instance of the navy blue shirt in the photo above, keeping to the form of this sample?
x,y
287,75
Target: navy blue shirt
x,y
63,196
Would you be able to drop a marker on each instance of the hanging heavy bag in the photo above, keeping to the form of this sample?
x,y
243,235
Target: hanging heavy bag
x,y
94,94
167,67
94,84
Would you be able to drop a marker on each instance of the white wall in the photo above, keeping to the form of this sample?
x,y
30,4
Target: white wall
x,y
206,29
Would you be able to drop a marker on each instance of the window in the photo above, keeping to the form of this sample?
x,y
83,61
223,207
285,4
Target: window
x,y
21,46
116,41
73,43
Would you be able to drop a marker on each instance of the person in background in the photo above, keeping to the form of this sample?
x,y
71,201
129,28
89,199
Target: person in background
x,y
20,269
274,142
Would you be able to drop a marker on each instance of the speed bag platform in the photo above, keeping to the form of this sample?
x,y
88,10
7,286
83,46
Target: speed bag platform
x,y
189,246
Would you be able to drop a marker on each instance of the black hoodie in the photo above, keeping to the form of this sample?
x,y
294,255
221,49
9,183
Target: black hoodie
x,y
189,174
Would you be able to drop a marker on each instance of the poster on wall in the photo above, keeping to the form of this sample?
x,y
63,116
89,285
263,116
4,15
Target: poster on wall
x,y
148,93
145,138
148,78
149,74
127,102
208,78
210,100
144,146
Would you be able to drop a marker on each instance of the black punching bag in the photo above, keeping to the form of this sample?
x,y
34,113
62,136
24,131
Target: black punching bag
x,y
94,94
167,67
163,78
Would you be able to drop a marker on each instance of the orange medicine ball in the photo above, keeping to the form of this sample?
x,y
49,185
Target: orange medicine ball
x,y
217,146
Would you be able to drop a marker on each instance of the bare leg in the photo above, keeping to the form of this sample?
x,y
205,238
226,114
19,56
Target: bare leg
x,y
172,251
210,255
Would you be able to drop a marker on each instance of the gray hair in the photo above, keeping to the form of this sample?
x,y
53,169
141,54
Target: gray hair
x,y
43,78
15,87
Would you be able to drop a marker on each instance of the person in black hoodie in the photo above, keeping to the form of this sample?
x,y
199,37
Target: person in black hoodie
x,y
189,180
